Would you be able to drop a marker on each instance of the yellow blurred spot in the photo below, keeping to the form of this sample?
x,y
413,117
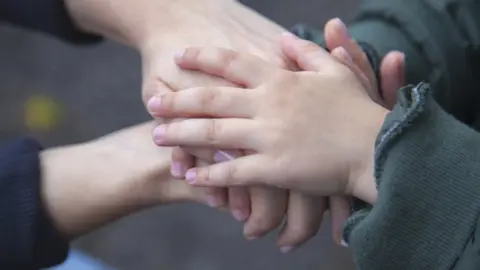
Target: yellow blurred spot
x,y
42,113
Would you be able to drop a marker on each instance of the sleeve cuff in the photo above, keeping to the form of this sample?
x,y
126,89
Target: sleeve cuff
x,y
426,168
29,240
50,17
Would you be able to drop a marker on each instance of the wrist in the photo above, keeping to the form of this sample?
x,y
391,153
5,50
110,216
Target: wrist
x,y
135,23
84,187
362,183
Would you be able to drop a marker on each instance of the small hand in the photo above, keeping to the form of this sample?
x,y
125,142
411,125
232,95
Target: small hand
x,y
392,67
267,121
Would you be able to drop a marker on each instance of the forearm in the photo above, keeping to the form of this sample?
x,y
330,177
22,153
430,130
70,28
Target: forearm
x,y
88,185
134,22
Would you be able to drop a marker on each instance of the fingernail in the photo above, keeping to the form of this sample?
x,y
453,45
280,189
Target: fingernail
x,y
190,176
239,215
286,249
343,243
159,134
154,104
343,29
221,156
289,34
347,55
179,55
212,201
251,238
176,169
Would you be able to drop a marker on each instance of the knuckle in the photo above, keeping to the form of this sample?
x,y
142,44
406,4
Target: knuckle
x,y
167,101
308,46
212,130
230,173
206,97
192,54
228,57
180,155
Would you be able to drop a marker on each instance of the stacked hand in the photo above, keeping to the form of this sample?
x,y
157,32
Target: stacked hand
x,y
304,212
230,25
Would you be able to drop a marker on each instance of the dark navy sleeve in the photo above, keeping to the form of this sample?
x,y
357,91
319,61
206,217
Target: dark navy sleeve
x,y
46,16
28,238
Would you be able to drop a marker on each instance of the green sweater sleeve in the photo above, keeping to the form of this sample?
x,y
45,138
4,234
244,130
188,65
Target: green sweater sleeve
x,y
441,41
426,166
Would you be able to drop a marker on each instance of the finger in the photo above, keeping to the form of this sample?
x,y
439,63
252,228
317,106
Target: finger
x,y
153,87
204,101
216,197
268,209
181,162
230,133
243,69
343,57
304,217
213,155
392,71
243,171
336,35
238,197
308,55
339,214
239,203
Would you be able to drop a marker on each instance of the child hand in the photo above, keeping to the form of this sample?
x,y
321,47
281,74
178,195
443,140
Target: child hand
x,y
331,157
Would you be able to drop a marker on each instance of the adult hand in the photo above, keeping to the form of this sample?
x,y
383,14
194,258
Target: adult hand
x,y
266,122
157,28
91,184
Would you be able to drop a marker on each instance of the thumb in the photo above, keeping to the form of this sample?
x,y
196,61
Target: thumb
x,y
392,71
306,54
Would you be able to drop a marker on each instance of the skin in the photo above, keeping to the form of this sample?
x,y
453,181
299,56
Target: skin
x,y
87,185
137,24
265,119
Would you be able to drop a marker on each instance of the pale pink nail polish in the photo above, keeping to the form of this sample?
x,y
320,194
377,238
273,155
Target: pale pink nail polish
x,y
154,104
344,244
286,249
221,156
251,238
190,176
159,134
179,55
176,170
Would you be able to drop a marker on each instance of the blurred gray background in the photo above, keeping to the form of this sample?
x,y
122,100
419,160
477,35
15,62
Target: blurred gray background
x,y
98,90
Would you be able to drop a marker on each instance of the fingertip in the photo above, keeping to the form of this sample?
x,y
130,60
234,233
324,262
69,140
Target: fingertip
x,y
342,54
191,176
336,33
178,56
286,249
154,104
286,44
392,70
159,134
240,215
